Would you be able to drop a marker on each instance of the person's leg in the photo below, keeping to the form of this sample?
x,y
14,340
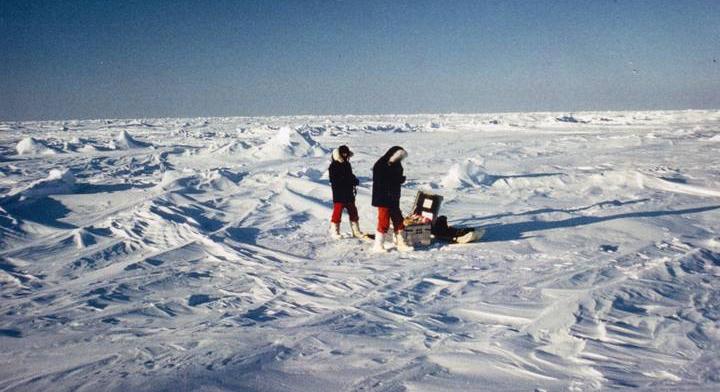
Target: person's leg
x,y
383,220
335,220
397,219
353,212
337,213
354,220
399,226
382,227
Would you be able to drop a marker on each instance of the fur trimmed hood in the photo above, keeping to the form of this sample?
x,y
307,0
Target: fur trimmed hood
x,y
336,156
394,155
342,154
399,155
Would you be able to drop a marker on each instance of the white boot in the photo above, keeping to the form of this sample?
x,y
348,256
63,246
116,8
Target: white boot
x,y
400,243
335,231
355,226
378,244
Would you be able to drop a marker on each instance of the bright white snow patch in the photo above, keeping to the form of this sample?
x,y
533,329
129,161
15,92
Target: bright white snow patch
x,y
124,141
32,146
58,182
289,143
468,173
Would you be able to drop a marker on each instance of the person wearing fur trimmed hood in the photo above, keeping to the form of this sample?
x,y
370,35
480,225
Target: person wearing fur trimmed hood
x,y
388,177
343,183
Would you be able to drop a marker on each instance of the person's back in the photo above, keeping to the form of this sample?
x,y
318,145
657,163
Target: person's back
x,y
388,177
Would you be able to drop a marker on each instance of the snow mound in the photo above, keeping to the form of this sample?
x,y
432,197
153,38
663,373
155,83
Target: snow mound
x,y
124,141
220,179
77,144
58,182
570,119
87,148
466,174
194,181
310,173
231,148
176,179
289,143
32,146
394,128
83,238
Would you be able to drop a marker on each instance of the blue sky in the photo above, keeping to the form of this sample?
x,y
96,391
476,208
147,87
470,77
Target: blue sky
x,y
110,59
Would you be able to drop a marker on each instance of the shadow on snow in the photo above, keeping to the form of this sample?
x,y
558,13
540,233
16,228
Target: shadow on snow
x,y
515,231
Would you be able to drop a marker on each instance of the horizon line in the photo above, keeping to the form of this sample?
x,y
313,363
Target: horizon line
x,y
362,114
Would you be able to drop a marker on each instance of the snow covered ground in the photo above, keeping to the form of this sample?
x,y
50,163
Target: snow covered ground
x,y
191,254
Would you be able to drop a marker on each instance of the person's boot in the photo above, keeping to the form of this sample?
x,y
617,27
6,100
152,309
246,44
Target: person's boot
x,y
401,244
355,226
378,246
335,231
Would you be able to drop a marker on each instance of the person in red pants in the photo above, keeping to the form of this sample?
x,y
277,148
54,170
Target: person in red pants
x,y
343,183
388,177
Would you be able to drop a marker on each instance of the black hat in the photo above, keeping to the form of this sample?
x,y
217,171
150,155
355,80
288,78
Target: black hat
x,y
345,151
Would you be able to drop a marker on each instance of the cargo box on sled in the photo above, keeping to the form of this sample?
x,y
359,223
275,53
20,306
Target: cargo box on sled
x,y
422,226
418,225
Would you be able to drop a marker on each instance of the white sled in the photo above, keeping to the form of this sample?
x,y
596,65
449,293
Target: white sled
x,y
472,236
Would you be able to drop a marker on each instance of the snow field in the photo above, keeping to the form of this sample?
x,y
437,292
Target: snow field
x,y
191,254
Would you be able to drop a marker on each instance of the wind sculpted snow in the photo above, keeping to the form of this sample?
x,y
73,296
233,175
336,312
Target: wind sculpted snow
x,y
192,254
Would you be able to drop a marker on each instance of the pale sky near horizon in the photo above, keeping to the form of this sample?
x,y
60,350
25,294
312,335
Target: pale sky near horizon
x,y
120,59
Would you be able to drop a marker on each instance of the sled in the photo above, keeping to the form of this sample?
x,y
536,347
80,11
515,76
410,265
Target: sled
x,y
473,234
425,224
456,235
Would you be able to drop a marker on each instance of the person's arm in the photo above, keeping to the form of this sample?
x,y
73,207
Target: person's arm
x,y
354,178
332,173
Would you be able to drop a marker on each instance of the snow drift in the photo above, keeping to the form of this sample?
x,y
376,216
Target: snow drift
x,y
465,174
32,146
196,264
289,143
58,182
124,141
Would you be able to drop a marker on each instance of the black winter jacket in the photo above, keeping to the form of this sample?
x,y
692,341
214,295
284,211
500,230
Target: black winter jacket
x,y
387,179
342,181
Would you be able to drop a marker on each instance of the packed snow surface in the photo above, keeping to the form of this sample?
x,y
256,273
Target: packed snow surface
x,y
192,254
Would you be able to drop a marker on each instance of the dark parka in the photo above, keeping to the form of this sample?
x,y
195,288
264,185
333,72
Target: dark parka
x,y
342,179
387,179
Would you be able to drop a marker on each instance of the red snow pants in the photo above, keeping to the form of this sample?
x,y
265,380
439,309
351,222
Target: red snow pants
x,y
386,214
338,209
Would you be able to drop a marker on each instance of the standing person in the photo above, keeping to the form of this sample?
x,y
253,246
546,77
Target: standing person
x,y
387,179
343,183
